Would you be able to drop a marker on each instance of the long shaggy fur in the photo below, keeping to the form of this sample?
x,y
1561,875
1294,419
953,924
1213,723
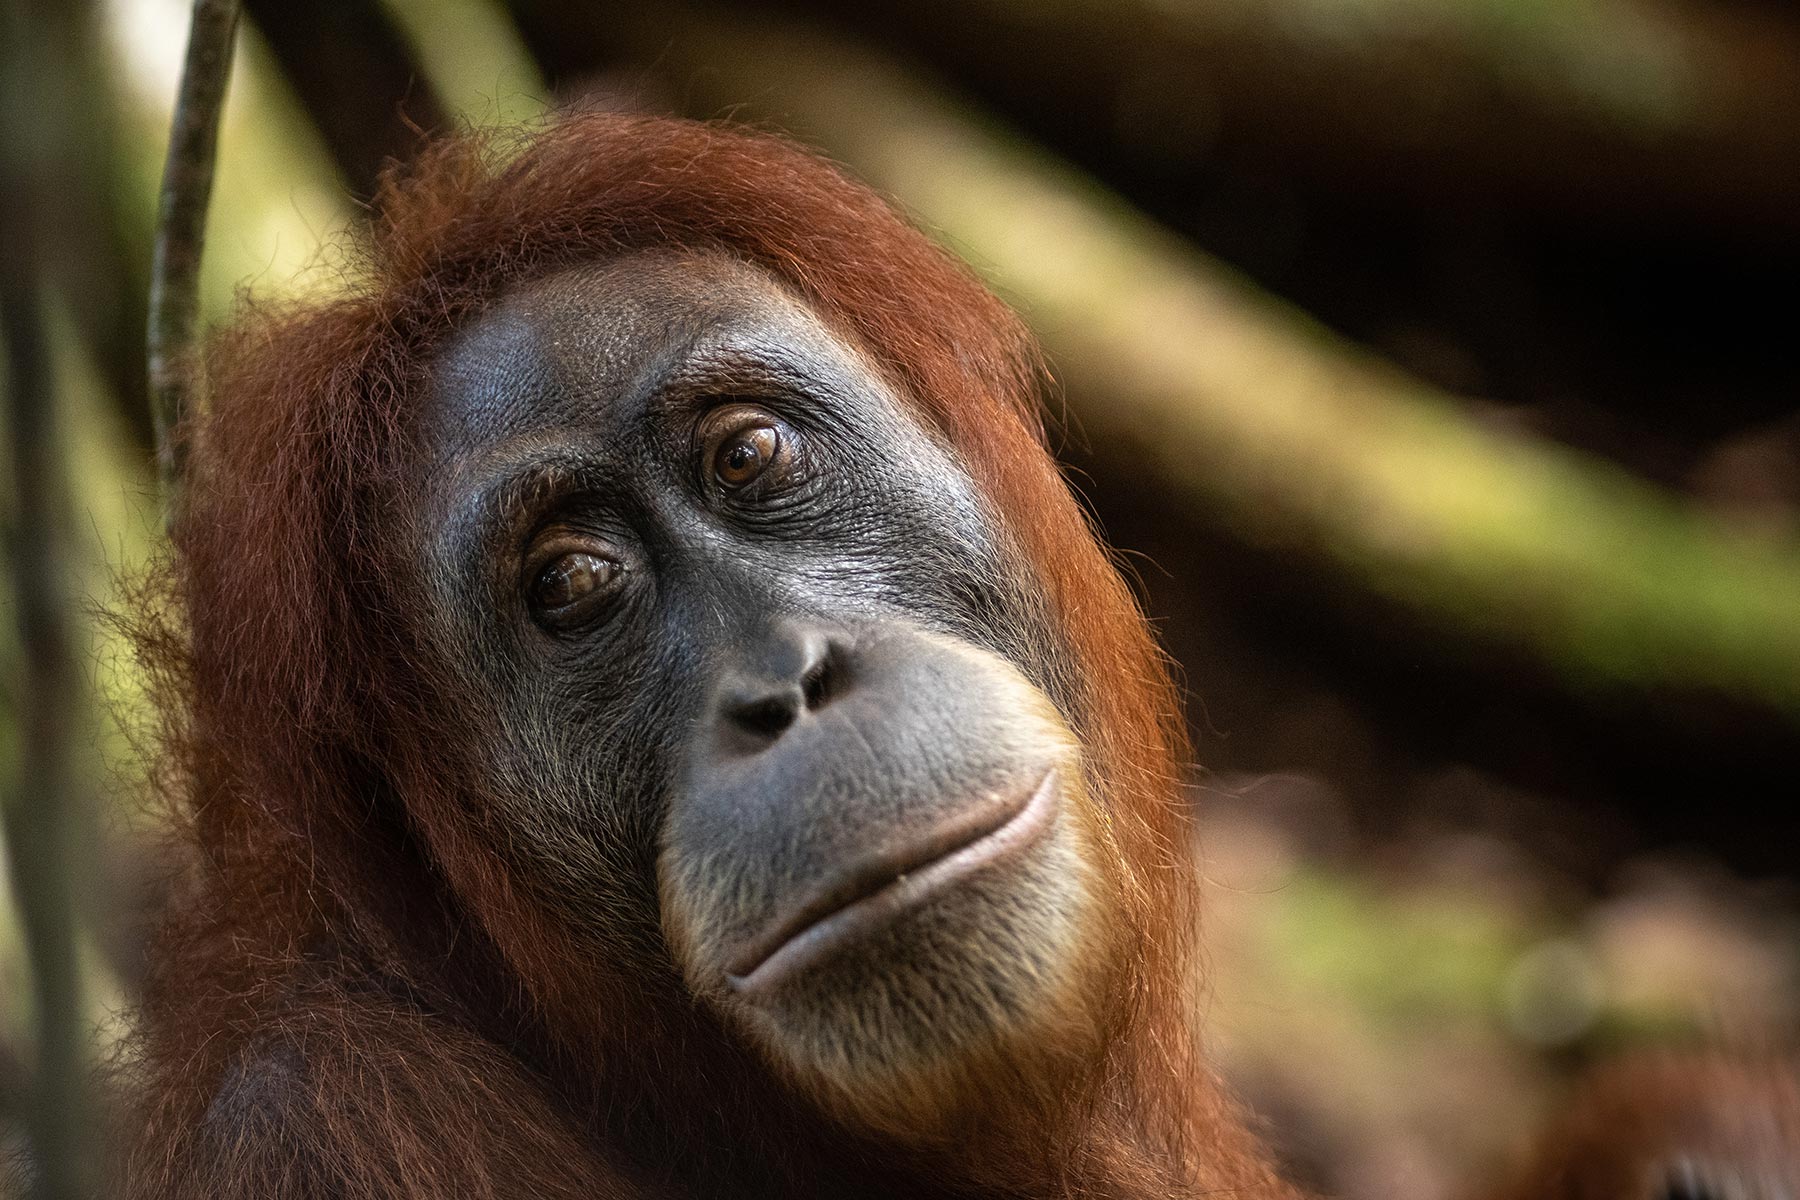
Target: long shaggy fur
x,y
352,994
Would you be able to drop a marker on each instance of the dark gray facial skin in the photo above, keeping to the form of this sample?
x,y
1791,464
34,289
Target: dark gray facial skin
x,y
796,733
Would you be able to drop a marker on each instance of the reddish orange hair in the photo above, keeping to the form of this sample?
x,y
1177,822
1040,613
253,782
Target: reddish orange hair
x,y
321,804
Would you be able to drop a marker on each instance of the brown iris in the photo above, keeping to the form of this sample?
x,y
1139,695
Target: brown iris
x,y
742,443
567,587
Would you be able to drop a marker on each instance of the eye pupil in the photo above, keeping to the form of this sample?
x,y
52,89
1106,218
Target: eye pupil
x,y
746,455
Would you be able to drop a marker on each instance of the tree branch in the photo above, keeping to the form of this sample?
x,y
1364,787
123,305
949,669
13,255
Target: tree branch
x,y
42,809
181,231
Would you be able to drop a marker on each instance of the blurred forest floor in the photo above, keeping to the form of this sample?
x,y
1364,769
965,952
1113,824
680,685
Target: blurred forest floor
x,y
1451,868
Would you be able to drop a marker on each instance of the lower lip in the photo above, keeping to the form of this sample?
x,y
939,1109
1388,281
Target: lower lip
x,y
905,892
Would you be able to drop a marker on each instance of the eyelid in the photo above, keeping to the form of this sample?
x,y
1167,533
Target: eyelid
x,y
554,541
751,406
584,610
525,504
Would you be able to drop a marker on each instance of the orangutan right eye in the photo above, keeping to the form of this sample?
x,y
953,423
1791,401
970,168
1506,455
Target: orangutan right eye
x,y
570,587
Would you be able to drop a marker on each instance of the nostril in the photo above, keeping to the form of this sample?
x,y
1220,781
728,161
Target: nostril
x,y
797,674
767,717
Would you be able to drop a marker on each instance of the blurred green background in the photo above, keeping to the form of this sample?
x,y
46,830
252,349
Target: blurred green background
x,y
1432,363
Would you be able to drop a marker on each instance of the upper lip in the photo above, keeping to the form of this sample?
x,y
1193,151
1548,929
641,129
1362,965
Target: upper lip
x,y
963,843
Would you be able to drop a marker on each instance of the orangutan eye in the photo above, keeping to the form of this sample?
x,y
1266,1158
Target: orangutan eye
x,y
568,588
743,456
741,444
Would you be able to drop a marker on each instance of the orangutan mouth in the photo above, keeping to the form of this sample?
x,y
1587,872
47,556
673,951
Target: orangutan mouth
x,y
873,892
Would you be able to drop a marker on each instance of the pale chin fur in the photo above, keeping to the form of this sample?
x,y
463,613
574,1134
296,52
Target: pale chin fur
x,y
904,1027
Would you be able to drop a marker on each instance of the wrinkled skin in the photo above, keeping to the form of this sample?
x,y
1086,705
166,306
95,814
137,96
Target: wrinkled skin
x,y
777,699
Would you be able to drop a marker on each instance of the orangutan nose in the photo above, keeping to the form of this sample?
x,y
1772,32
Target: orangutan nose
x,y
792,674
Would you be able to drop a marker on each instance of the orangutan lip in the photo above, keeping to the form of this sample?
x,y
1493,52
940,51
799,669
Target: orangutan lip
x,y
881,887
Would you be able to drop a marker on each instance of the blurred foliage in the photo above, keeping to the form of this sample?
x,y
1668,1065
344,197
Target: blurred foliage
x,y
1406,1019
1627,63
1256,411
113,490
472,55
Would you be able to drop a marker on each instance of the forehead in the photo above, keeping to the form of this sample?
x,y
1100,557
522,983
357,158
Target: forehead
x,y
590,343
